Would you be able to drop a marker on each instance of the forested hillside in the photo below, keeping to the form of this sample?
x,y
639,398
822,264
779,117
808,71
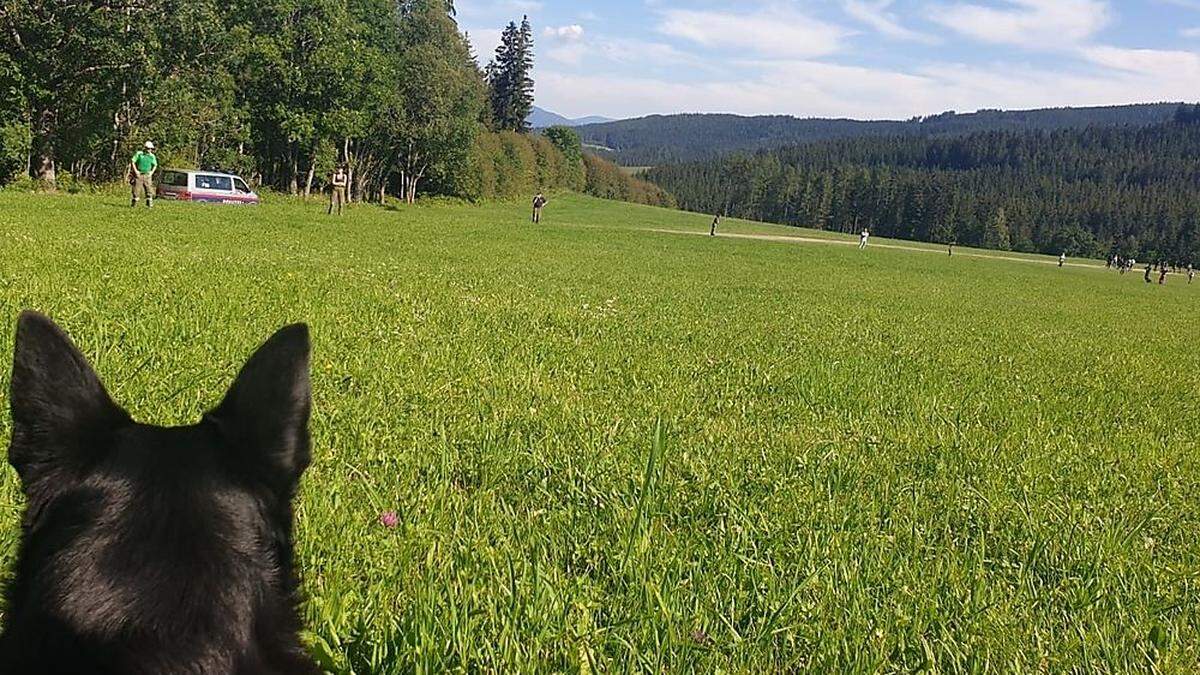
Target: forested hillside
x,y
650,141
278,92
1086,192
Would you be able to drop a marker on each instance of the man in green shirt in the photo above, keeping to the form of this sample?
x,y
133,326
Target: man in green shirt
x,y
141,174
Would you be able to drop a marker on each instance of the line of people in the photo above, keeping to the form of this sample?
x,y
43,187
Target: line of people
x,y
1123,264
1164,269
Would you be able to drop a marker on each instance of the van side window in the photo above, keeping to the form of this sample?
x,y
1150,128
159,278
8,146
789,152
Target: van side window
x,y
208,182
240,186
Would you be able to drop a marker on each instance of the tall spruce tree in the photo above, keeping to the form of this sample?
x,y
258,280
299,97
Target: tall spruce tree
x,y
523,96
509,82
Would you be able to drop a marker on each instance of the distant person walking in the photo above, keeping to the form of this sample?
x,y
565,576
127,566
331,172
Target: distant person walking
x,y
1162,275
1062,260
1149,267
338,182
950,249
862,238
142,167
712,231
539,203
1191,275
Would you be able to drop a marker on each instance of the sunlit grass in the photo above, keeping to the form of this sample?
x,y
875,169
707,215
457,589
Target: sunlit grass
x,y
613,450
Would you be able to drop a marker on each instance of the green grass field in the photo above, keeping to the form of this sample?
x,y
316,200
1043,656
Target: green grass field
x,y
613,449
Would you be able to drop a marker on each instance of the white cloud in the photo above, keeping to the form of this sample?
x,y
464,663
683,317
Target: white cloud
x,y
802,88
1033,24
630,51
572,32
808,88
484,41
519,5
626,52
774,32
875,14
1168,66
766,57
570,53
566,44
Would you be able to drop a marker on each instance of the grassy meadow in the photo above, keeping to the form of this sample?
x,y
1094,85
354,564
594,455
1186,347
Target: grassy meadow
x,y
612,448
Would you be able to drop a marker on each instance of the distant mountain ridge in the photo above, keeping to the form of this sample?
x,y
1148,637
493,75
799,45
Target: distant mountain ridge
x,y
664,139
541,118
1131,190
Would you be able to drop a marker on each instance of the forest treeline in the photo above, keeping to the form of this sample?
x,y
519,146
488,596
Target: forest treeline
x,y
1086,192
278,91
662,139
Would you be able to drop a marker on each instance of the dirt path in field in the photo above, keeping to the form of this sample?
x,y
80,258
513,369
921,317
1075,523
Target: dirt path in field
x,y
838,242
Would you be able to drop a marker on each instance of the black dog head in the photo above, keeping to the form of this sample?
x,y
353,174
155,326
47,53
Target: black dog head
x,y
149,549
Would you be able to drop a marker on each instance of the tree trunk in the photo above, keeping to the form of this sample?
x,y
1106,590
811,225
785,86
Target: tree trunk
x,y
308,180
356,186
349,165
409,183
43,165
294,178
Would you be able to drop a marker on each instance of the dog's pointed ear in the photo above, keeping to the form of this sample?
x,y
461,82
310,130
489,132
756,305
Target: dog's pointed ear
x,y
265,413
60,410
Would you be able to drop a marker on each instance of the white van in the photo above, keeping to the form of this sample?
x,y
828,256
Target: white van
x,y
191,185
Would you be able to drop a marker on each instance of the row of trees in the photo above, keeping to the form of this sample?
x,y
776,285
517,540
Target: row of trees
x,y
607,180
664,139
1096,191
279,91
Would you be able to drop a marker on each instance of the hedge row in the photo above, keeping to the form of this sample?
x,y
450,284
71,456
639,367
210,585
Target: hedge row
x,y
508,165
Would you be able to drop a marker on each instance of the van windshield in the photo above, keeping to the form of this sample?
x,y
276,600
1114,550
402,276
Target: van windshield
x,y
207,182
240,185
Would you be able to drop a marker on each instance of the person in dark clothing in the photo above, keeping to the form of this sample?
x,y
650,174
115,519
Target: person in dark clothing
x,y
950,249
539,203
338,183
1162,276
1149,268
712,232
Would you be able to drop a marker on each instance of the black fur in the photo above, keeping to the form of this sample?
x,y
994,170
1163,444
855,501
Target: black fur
x,y
152,550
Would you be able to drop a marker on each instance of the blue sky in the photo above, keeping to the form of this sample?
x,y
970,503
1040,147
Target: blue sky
x,y
876,59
